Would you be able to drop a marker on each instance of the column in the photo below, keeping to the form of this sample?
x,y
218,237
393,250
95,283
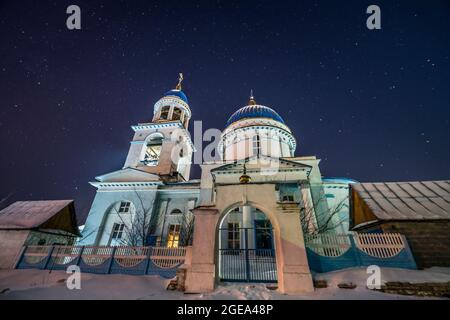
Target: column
x,y
247,224
200,275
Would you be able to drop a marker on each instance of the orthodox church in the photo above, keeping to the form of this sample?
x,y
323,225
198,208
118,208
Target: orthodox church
x,y
258,201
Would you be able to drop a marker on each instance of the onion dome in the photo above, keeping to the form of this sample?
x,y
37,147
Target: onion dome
x,y
177,93
254,111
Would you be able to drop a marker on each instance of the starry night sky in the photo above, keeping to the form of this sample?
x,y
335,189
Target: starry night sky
x,y
373,105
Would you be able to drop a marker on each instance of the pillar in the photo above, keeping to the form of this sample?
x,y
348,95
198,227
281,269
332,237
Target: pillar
x,y
294,275
200,274
247,224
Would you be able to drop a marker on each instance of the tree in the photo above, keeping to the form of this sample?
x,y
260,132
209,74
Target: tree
x,y
138,224
316,220
187,228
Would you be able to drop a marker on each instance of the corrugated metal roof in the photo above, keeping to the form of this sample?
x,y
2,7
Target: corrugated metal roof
x,y
30,214
421,200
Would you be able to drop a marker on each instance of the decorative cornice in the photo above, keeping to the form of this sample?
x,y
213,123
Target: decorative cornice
x,y
228,135
172,100
174,124
125,185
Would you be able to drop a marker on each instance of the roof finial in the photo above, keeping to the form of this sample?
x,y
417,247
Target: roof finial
x,y
180,80
252,101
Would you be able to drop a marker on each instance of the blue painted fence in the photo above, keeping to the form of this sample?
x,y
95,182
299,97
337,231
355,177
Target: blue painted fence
x,y
332,252
160,261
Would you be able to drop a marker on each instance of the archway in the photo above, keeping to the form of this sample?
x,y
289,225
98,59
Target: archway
x,y
246,246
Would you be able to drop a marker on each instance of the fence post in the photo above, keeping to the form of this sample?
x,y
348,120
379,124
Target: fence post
x,y
247,260
49,257
79,256
412,264
356,251
112,260
147,262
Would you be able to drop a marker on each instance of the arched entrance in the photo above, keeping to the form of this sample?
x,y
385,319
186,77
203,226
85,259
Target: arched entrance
x,y
246,246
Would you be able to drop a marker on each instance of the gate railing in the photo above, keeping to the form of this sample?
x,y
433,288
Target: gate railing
x,y
249,256
105,259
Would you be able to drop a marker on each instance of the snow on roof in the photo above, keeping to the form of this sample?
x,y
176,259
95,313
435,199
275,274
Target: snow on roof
x,y
424,200
31,214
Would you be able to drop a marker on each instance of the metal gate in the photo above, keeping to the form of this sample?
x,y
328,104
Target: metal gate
x,y
247,255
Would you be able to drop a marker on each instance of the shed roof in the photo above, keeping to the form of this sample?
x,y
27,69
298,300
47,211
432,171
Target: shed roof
x,y
421,200
26,215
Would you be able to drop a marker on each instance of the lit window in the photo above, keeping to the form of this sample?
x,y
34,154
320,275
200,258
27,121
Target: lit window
x,y
164,113
124,207
256,145
233,235
173,237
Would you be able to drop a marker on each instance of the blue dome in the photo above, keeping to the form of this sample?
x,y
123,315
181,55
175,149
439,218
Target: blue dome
x,y
254,111
177,93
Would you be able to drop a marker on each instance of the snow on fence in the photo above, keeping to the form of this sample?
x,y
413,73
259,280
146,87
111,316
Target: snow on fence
x,y
328,252
105,259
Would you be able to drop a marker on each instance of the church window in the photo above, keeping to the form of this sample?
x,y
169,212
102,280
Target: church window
x,y
173,237
153,152
117,232
176,211
176,114
164,113
124,207
233,235
288,198
256,145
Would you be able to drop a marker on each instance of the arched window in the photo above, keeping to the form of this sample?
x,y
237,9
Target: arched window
x,y
176,211
153,151
176,114
164,113
256,145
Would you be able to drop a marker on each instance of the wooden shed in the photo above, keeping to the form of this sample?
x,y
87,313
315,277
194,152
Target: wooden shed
x,y
35,223
419,210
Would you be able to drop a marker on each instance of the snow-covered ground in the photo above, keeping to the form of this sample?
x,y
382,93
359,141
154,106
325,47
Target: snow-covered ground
x,y
42,284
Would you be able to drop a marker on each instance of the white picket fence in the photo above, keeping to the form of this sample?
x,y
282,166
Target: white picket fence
x,y
378,245
384,245
328,245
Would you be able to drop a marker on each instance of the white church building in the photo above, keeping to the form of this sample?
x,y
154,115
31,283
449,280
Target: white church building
x,y
260,198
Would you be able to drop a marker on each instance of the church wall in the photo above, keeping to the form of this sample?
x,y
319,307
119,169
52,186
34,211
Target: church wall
x,y
240,144
337,196
96,228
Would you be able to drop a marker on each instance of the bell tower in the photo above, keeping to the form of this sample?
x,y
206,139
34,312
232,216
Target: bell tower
x,y
163,146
